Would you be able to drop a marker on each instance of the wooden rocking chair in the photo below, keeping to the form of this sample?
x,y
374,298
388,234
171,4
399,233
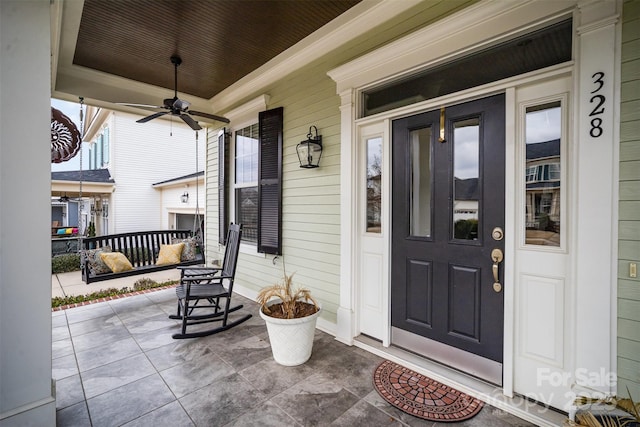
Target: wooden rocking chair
x,y
201,290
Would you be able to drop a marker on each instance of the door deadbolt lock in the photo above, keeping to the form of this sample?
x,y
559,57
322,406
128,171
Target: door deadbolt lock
x,y
497,234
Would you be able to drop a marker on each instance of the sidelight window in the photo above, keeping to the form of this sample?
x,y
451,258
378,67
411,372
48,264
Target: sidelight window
x,y
374,184
542,177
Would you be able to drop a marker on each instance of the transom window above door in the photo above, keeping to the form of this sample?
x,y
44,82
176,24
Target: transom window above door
x,y
532,51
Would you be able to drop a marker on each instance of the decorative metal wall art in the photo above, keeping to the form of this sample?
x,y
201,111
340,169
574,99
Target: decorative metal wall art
x,y
65,137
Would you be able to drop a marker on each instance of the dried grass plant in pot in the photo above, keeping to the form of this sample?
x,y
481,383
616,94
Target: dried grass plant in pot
x,y
290,314
606,412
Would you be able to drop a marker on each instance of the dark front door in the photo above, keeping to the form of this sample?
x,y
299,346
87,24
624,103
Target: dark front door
x,y
448,202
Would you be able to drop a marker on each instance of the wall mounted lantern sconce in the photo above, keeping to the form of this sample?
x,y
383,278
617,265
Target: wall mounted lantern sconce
x,y
310,151
185,197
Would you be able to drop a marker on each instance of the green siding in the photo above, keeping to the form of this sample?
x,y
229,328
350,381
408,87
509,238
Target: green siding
x,y
311,197
629,205
630,150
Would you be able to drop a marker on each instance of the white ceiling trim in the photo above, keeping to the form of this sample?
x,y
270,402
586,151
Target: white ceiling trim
x,y
248,111
484,23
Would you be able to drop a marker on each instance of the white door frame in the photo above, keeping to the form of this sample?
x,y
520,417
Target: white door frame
x,y
488,23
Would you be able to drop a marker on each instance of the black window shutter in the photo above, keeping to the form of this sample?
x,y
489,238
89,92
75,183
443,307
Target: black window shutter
x,y
223,220
270,182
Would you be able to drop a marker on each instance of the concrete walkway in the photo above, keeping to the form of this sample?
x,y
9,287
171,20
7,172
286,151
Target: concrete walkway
x,y
67,284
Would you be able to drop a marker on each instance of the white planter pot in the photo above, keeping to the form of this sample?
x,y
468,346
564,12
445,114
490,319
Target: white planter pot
x,y
291,339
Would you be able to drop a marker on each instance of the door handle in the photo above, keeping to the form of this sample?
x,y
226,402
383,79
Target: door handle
x,y
497,257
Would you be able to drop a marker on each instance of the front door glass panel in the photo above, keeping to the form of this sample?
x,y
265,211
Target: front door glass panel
x,y
542,174
420,206
466,179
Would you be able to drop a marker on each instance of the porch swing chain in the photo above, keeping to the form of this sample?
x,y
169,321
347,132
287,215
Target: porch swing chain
x,y
197,224
80,203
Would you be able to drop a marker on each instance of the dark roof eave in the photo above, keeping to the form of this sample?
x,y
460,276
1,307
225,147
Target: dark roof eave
x,y
178,179
96,176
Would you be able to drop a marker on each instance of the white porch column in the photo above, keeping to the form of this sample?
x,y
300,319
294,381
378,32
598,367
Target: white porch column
x,y
597,119
26,392
345,329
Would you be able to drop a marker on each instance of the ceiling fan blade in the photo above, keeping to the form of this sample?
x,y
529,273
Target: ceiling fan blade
x,y
126,104
192,123
151,117
209,116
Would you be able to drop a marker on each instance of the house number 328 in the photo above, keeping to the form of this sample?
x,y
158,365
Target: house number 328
x,y
597,101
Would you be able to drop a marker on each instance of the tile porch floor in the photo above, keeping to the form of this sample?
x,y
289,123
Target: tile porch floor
x,y
115,363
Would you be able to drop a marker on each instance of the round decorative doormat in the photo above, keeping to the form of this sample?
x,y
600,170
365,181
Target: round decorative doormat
x,y
421,396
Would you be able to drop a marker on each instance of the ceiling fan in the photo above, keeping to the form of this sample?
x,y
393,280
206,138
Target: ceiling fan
x,y
66,199
176,106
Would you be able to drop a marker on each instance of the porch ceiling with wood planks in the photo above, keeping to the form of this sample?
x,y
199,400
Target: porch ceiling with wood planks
x,y
119,50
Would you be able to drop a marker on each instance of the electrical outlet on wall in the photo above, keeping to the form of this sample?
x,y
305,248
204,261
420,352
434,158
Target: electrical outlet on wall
x,y
633,270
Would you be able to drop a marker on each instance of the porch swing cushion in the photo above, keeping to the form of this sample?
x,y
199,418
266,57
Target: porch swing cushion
x,y
94,261
170,254
116,261
190,249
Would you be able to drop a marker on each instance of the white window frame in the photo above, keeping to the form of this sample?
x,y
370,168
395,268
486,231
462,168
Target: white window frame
x,y
563,99
240,118
233,185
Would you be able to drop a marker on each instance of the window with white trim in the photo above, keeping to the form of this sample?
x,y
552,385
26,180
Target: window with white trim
x,y
245,182
99,151
250,182
543,184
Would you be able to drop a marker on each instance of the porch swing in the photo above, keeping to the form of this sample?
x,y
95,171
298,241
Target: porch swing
x,y
127,254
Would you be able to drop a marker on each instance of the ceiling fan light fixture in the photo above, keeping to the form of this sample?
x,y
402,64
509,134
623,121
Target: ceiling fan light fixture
x,y
178,107
181,104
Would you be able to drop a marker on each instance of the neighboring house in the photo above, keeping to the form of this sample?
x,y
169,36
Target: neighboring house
x,y
415,81
126,161
97,187
72,214
465,199
543,196
182,202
